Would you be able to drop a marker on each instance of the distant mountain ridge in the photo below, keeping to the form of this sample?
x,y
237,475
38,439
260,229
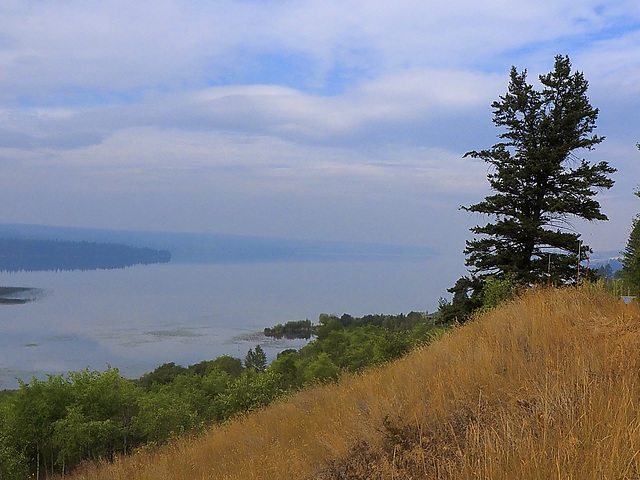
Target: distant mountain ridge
x,y
223,248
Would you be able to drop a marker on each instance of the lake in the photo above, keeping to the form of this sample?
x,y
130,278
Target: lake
x,y
139,317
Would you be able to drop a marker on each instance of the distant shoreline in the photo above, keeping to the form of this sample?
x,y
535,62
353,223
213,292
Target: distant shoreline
x,y
17,295
31,255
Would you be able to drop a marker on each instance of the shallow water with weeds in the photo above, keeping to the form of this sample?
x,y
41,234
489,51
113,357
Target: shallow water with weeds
x,y
137,318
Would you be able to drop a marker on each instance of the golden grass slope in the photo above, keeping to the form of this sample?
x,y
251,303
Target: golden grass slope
x,y
545,387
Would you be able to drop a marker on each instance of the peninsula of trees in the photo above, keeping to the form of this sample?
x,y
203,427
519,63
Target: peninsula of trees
x,y
19,254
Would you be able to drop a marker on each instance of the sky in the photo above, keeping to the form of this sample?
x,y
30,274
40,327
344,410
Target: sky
x,y
335,120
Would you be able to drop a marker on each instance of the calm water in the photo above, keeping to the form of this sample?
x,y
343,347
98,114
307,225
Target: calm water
x,y
140,317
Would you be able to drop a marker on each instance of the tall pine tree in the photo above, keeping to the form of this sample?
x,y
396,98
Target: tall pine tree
x,y
540,184
631,253
631,256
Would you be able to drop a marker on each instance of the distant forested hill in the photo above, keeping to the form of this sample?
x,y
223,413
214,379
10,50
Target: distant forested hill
x,y
216,248
19,254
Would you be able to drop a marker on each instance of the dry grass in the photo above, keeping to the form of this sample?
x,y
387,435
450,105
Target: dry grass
x,y
546,387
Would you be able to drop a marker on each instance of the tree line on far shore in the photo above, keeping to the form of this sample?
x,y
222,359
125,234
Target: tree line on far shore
x,y
19,254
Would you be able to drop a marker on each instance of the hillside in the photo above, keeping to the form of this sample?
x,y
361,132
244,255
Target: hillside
x,y
544,387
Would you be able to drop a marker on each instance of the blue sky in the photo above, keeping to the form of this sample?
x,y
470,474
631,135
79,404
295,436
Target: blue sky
x,y
332,120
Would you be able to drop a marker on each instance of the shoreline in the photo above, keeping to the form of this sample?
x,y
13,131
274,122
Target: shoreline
x,y
17,295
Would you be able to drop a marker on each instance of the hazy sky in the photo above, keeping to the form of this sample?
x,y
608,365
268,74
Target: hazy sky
x,y
335,120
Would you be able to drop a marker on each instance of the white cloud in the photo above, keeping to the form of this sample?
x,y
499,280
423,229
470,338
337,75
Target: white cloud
x,y
614,64
270,103
90,48
386,104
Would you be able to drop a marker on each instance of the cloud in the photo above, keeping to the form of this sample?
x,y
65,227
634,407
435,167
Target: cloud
x,y
282,112
613,64
406,106
91,51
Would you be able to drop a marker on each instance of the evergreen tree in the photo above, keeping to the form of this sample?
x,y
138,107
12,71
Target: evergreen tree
x,y
631,256
256,359
539,182
631,253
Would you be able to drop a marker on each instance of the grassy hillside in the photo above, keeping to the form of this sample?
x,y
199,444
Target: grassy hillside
x,y
546,387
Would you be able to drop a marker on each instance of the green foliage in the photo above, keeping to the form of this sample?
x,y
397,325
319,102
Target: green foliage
x,y
252,390
321,369
631,256
165,373
256,359
497,290
391,345
224,363
539,181
64,420
285,366
31,414
328,324
605,272
475,294
228,364
164,413
353,343
467,298
13,462
293,329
